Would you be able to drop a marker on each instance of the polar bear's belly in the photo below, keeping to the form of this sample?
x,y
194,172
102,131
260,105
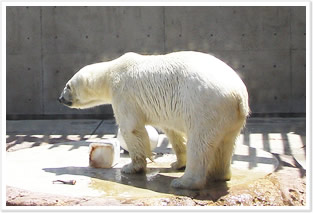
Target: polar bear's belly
x,y
176,125
165,119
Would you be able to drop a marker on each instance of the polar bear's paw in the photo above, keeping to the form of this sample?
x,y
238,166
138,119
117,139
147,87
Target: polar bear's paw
x,y
187,183
133,168
178,165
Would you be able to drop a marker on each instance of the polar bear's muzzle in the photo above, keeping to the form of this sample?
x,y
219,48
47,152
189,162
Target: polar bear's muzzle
x,y
66,97
62,100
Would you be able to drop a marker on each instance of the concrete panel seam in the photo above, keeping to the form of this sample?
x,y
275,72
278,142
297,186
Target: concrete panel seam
x,y
164,28
41,64
290,59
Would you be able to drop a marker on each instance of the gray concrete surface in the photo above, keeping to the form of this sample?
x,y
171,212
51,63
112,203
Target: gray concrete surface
x,y
47,45
279,136
40,151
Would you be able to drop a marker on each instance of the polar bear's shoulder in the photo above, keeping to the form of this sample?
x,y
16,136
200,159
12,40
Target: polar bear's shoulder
x,y
127,60
130,57
181,55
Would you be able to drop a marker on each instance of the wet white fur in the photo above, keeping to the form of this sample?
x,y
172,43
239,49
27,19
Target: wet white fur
x,y
187,94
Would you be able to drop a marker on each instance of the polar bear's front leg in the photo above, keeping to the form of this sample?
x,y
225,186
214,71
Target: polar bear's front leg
x,y
138,145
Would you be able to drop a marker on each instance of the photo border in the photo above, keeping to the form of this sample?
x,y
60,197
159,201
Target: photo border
x,y
308,207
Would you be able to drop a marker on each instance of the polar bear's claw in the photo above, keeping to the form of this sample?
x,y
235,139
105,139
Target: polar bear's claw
x,y
184,183
176,183
178,166
131,169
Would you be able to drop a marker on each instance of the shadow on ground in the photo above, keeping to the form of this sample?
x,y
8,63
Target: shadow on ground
x,y
155,179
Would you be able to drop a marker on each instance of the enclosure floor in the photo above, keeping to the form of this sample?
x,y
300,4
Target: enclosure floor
x,y
268,167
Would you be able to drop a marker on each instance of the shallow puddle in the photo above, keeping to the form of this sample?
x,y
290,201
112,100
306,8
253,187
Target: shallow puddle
x,y
156,183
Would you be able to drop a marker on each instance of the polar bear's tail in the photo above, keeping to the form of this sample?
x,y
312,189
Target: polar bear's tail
x,y
243,105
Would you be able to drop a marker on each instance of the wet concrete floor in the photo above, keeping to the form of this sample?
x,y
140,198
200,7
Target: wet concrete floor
x,y
40,166
32,165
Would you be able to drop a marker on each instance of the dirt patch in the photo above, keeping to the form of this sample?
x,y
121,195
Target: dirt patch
x,y
272,190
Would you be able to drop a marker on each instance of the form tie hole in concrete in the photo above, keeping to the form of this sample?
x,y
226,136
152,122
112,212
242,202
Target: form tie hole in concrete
x,y
274,66
28,38
275,34
117,36
275,98
243,66
86,36
211,35
148,35
179,35
55,37
243,35
28,68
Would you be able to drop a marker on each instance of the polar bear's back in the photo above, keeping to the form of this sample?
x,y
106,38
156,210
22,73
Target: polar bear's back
x,y
187,65
180,86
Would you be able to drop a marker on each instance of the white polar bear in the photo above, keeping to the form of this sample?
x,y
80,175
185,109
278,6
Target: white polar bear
x,y
187,94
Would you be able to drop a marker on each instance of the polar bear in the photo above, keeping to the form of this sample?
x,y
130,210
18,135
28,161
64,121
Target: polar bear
x,y
189,95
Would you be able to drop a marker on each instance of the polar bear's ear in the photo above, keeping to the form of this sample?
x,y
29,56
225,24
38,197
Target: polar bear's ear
x,y
68,87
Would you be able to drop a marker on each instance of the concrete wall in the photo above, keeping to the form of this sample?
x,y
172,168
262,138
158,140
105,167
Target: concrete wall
x,y
47,45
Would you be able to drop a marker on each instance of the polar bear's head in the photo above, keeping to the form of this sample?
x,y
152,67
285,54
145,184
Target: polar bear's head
x,y
66,96
87,88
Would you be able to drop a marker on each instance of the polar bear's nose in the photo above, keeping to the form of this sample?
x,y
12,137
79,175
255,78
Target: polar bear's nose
x,y
60,99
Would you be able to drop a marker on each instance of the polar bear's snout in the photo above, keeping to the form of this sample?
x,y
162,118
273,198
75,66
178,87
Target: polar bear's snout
x,y
66,97
62,100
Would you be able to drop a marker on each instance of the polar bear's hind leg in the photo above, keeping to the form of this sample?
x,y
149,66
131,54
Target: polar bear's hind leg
x,y
200,156
220,168
179,147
